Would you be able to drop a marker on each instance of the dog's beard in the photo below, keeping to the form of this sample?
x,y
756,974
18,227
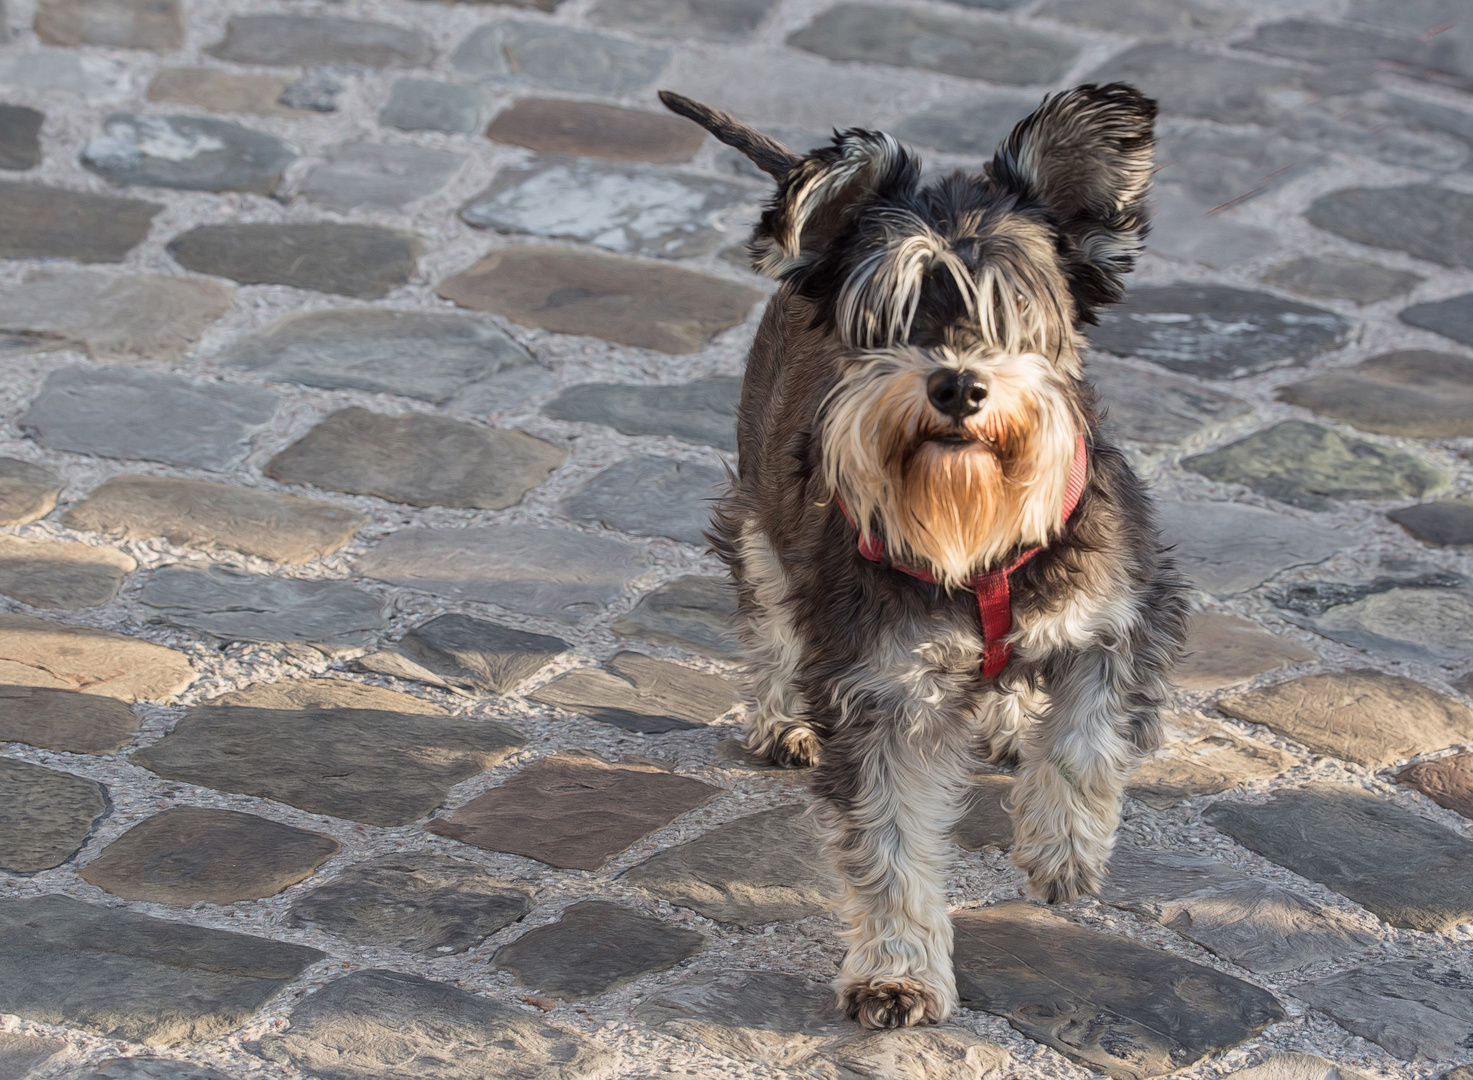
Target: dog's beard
x,y
952,498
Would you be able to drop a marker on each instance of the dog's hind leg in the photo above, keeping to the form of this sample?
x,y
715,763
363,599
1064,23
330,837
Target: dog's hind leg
x,y
777,727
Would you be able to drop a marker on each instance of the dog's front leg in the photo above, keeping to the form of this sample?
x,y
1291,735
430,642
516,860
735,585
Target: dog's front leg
x,y
1073,769
889,793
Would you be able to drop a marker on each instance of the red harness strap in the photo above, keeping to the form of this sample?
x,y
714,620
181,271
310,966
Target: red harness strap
x,y
994,602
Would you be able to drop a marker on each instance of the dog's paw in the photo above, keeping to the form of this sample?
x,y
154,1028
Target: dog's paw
x,y
794,747
1057,876
895,1003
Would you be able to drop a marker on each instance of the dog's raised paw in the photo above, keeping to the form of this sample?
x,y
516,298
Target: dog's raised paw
x,y
796,748
902,1003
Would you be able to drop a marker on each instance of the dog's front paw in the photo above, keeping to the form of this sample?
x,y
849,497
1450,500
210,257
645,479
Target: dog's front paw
x,y
793,747
892,1003
1058,872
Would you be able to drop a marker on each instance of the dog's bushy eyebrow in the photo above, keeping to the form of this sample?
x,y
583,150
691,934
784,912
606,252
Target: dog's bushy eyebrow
x,y
769,155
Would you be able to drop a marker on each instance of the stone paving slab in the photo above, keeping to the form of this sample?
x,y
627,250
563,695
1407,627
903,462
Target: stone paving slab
x,y
191,855
1406,869
65,720
431,105
144,319
1153,407
327,694
128,976
1224,650
1424,220
762,868
385,1025
1419,1011
560,574
574,811
127,24
467,655
1447,781
38,222
613,297
430,357
973,126
36,652
120,413
558,58
1340,278
1412,393
221,91
690,612
1452,318
380,768
985,823
1209,759
640,693
419,902
1298,1067
363,261
378,176
201,513
418,459
1227,548
27,491
1114,1005
650,496
21,1055
593,948
591,129
1434,624
192,153
706,20
20,142
289,40
152,1069
60,574
701,412
45,815
1446,522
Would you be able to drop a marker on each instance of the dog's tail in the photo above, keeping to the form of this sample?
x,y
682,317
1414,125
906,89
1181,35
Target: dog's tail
x,y
769,155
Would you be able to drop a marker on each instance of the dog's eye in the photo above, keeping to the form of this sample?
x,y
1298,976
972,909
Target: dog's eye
x,y
1020,300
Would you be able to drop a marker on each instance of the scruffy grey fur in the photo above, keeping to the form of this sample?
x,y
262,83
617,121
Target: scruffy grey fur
x,y
866,671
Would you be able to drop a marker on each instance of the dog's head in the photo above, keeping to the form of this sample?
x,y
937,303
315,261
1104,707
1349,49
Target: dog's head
x,y
955,307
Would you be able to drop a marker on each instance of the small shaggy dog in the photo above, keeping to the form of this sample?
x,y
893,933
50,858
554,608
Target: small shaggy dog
x,y
936,551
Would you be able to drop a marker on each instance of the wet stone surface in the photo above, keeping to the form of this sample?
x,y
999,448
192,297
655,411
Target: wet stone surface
x,y
593,948
1415,394
1446,523
38,222
1447,781
1214,331
374,176
1423,220
702,412
190,855
128,976
59,574
1227,548
37,652
430,105
289,40
380,768
188,152
20,144
574,811
422,903
45,815
650,496
1341,279
558,58
690,612
362,261
473,656
27,491
640,693
1417,1011
586,128
65,720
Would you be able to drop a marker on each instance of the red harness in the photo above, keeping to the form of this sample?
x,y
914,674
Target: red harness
x,y
994,601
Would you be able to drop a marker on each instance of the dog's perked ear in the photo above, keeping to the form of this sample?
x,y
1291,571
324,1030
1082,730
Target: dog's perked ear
x,y
818,193
1086,156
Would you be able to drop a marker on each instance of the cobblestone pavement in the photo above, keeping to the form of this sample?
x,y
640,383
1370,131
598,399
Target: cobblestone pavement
x,y
366,702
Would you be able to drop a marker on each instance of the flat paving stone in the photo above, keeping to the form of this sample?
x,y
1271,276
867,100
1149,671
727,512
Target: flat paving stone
x,y
1412,393
418,459
362,261
35,652
1186,230
1310,466
120,413
45,817
1116,1006
974,125
60,574
1341,278
593,948
316,90
1153,407
467,655
1447,781
999,52
381,768
1227,548
290,40
1408,870
1367,717
1451,318
1224,650
416,901
139,319
639,693
431,105
204,514
593,129
1424,220
374,176
762,868
385,1025
27,491
1205,760
985,822
123,975
327,694
1311,599
1297,1067
1216,167
221,91
1216,332
704,20
21,1055
626,209
140,1068
650,496
1445,523
437,358
701,412
1149,18
558,58
65,720
61,71
20,137
124,24
193,153
691,612
1428,624
233,605
194,855
574,811
556,573
38,222
939,1053
1418,1010
627,301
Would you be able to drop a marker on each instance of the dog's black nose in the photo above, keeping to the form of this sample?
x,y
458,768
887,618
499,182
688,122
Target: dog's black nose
x,y
956,393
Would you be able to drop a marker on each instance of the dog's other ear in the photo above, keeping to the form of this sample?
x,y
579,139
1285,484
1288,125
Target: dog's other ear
x,y
1086,155
769,155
